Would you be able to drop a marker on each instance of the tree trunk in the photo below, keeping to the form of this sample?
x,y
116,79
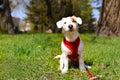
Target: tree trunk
x,y
64,11
49,15
109,22
49,10
5,17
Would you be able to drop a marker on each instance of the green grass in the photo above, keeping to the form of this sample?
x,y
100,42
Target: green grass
x,y
31,57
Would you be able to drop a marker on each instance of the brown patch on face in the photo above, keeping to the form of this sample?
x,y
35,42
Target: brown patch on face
x,y
73,19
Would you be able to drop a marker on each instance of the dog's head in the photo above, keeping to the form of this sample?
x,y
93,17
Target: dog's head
x,y
69,23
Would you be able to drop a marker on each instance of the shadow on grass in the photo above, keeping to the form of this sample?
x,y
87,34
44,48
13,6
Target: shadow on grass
x,y
75,64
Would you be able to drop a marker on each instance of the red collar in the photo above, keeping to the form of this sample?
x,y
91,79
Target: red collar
x,y
73,47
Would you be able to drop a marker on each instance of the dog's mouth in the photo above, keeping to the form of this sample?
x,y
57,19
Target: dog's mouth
x,y
71,30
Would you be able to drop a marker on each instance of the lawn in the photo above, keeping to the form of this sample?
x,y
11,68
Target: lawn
x,y
31,57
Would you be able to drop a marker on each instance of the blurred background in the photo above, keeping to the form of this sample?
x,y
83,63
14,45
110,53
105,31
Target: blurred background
x,y
17,16
42,15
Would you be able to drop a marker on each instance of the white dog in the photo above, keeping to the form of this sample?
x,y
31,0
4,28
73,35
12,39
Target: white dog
x,y
72,46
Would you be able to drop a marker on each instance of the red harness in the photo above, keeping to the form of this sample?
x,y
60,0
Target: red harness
x,y
73,47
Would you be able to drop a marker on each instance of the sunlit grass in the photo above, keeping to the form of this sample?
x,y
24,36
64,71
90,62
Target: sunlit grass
x,y
31,57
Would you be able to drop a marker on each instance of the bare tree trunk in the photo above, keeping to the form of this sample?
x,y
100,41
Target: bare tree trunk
x,y
5,17
109,22
64,11
49,14
49,10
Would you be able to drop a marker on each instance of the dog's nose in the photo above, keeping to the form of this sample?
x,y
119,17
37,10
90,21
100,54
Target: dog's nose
x,y
70,26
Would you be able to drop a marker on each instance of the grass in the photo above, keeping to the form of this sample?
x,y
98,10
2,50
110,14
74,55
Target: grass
x,y
31,57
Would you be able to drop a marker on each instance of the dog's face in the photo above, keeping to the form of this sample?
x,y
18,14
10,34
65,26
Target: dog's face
x,y
69,23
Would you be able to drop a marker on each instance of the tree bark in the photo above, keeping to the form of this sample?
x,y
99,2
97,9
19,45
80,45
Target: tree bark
x,y
64,11
5,17
49,10
109,22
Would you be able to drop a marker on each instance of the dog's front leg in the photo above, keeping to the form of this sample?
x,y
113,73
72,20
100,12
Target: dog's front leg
x,y
61,63
65,63
81,61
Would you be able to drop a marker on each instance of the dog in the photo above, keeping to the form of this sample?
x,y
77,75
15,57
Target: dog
x,y
72,46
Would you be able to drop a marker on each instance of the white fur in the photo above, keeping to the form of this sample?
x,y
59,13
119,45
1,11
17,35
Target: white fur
x,y
70,35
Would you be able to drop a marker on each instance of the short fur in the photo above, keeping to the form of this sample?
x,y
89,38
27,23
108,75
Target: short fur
x,y
70,31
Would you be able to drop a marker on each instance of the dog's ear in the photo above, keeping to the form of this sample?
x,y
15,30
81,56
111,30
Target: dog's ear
x,y
60,23
78,19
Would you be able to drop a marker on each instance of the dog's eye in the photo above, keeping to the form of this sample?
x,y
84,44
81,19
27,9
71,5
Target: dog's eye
x,y
64,22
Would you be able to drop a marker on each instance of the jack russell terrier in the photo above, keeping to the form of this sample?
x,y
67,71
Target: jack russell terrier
x,y
72,46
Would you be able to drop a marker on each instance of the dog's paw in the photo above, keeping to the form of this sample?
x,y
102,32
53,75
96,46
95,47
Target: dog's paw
x,y
64,71
82,68
89,67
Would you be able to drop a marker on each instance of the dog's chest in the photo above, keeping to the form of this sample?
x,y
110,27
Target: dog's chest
x,y
73,47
